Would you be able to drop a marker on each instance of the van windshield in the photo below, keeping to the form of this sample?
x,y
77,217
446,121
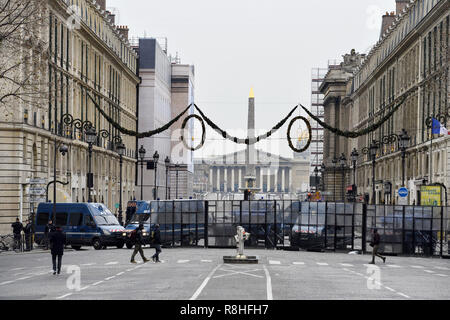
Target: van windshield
x,y
139,218
106,220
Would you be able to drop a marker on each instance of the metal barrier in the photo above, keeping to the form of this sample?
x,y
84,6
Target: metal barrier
x,y
291,224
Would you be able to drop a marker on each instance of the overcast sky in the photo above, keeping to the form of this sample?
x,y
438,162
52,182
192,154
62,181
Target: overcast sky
x,y
270,45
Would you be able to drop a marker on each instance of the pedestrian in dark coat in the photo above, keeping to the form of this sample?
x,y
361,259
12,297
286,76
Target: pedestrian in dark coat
x,y
48,229
139,242
157,243
375,243
28,233
57,240
17,229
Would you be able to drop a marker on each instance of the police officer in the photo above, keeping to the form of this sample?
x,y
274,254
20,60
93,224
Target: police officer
x,y
139,242
17,229
157,243
28,232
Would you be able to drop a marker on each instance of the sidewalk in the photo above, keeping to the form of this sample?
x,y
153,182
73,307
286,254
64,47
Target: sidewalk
x,y
34,251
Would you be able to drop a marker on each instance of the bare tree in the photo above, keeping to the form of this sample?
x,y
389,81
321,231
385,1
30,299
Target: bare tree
x,y
23,55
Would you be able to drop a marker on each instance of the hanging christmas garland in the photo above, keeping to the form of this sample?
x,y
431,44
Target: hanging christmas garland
x,y
355,134
183,126
247,141
308,125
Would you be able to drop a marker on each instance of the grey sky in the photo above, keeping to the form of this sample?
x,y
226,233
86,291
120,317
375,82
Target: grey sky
x,y
270,45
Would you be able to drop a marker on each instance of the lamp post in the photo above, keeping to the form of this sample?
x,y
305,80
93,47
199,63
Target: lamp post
x,y
176,189
63,149
354,157
372,152
403,144
316,184
155,162
322,172
167,162
343,163
120,150
91,138
334,161
142,152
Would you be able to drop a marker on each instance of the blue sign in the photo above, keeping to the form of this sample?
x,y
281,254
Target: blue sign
x,y
403,192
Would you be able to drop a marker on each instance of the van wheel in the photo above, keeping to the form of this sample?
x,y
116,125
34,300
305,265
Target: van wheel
x,y
129,245
97,244
120,245
76,247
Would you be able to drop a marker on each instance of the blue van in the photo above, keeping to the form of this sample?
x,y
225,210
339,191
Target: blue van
x,y
85,224
141,214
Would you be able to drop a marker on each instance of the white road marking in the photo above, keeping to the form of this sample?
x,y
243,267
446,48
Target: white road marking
x,y
88,264
204,283
393,266
322,263
297,263
274,262
84,288
109,278
111,263
182,261
268,284
6,282
16,269
429,271
120,273
403,295
390,289
23,278
442,268
346,265
441,275
64,296
417,267
128,270
98,282
204,261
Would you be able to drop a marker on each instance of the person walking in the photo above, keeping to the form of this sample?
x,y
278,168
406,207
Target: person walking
x,y
156,239
28,232
49,228
57,240
375,243
17,230
138,243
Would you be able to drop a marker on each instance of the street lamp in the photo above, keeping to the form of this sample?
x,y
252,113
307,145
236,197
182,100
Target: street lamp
x,y
142,152
167,162
372,151
403,144
343,163
155,161
322,173
120,150
91,138
316,172
334,161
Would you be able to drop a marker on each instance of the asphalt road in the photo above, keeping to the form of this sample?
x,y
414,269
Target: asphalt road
x,y
199,274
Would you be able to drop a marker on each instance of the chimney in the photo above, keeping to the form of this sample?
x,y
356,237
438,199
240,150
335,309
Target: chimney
x,y
123,30
388,19
111,17
102,4
400,5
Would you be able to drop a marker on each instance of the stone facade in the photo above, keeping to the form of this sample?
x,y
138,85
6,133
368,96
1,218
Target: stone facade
x,y
410,60
85,53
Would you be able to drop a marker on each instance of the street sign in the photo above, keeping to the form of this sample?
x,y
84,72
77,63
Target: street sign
x,y
37,181
117,205
37,191
403,193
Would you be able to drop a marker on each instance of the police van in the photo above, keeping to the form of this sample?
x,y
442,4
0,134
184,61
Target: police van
x,y
85,224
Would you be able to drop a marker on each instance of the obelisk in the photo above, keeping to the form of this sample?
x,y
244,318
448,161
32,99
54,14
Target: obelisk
x,y
250,153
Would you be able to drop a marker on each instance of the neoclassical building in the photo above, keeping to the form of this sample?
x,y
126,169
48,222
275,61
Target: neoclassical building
x,y
81,56
410,61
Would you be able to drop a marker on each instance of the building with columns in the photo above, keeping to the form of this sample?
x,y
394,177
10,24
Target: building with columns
x,y
410,61
275,175
79,53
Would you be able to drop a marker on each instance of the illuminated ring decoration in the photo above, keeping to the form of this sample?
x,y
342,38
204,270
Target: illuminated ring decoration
x,y
308,125
183,126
